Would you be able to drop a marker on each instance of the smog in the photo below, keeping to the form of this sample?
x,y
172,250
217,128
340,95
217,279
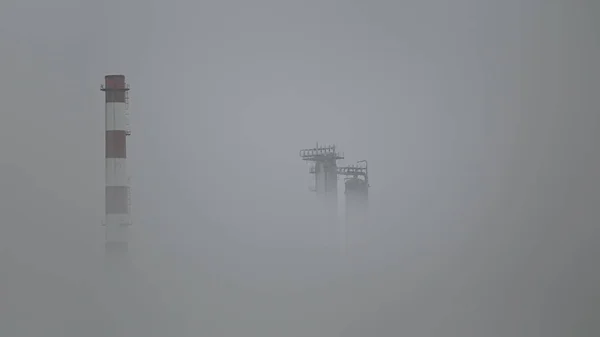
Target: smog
x,y
460,199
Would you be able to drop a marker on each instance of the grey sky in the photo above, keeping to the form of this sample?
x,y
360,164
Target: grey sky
x,y
478,118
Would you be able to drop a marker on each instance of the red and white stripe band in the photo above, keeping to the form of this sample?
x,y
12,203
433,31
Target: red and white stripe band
x,y
117,181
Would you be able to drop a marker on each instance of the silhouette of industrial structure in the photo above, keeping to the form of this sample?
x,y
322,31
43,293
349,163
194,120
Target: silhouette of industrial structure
x,y
117,191
356,196
325,170
324,167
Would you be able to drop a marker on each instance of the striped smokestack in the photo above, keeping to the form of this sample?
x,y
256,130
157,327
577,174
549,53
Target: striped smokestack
x,y
118,215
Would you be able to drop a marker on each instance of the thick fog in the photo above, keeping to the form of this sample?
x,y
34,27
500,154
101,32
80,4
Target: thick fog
x,y
479,120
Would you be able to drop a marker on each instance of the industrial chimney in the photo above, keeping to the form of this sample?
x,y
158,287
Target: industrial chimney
x,y
117,195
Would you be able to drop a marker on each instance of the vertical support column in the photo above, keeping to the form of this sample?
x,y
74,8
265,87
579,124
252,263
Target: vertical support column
x,y
331,183
325,170
117,204
320,178
326,183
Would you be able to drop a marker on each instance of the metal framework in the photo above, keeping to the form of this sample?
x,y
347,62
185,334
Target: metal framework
x,y
324,168
323,153
354,172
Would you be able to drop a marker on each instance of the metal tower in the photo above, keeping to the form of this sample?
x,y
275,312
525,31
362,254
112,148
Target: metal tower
x,y
324,159
117,194
357,199
325,168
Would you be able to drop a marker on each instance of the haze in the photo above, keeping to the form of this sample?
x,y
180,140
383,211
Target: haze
x,y
479,120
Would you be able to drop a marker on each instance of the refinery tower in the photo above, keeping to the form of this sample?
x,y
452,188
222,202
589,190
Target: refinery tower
x,y
117,194
324,167
357,201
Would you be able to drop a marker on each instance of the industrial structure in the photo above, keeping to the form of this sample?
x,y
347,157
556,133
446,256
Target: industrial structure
x,y
356,188
324,167
357,199
117,194
325,170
